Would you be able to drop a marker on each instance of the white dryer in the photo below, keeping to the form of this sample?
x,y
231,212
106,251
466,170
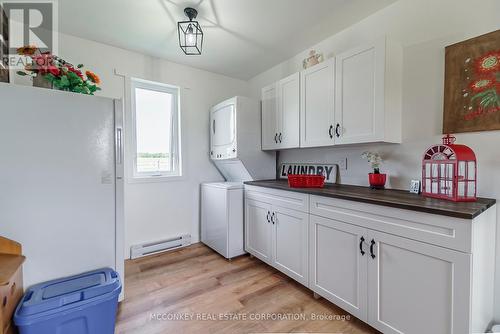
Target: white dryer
x,y
235,149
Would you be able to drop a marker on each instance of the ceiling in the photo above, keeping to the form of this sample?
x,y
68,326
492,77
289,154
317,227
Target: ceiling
x,y
242,37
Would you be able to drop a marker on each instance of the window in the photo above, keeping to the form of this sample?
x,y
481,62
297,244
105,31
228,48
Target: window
x,y
155,110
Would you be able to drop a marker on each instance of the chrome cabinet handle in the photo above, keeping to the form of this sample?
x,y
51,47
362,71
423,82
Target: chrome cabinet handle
x,y
267,217
273,216
213,126
119,146
280,137
330,131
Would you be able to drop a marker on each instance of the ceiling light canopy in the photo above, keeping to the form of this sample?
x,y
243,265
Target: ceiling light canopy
x,y
190,33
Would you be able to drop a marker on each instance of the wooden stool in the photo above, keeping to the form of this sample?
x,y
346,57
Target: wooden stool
x,y
11,282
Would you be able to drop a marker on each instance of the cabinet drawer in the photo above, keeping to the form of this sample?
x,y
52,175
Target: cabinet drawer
x,y
438,230
9,297
280,198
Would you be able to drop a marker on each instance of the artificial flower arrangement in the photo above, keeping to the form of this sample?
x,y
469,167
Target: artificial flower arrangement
x,y
58,72
374,159
376,179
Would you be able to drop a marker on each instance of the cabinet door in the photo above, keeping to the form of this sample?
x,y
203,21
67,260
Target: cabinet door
x,y
359,94
317,105
290,251
338,268
289,112
258,230
270,118
417,288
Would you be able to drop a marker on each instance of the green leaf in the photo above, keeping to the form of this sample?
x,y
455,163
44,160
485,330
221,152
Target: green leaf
x,y
64,81
79,65
74,79
49,77
22,73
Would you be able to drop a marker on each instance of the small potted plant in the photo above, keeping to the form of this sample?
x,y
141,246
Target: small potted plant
x,y
376,179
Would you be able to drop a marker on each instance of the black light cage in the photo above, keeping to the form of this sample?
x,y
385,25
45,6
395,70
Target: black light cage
x,y
197,46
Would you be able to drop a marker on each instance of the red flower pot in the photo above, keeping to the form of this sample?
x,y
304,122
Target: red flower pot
x,y
377,181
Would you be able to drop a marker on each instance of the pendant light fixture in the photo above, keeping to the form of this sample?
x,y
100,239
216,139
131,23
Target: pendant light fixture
x,y
190,33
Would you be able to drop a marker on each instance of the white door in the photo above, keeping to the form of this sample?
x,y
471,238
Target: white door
x,y
223,129
270,117
289,111
338,269
258,230
417,288
290,251
317,117
359,95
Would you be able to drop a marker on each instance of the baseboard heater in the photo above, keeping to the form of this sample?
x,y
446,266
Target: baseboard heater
x,y
159,246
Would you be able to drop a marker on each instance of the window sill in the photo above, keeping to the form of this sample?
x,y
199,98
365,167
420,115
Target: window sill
x,y
155,179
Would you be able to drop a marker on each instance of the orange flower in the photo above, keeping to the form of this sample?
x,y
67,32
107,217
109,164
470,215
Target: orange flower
x,y
28,50
93,77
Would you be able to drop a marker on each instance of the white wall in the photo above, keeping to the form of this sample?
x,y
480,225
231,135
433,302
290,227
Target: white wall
x,y
154,211
423,28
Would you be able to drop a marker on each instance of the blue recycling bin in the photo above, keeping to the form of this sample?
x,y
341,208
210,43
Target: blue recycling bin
x,y
81,304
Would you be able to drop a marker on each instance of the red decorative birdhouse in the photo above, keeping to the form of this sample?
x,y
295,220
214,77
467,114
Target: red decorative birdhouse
x,y
449,172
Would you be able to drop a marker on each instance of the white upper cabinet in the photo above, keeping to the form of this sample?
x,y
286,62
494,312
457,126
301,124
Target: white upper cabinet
x,y
288,111
317,115
350,99
368,94
270,117
280,114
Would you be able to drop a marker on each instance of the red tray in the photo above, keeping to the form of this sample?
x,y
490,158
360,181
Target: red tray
x,y
306,181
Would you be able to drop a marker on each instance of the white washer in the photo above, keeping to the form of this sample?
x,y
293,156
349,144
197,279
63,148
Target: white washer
x,y
222,217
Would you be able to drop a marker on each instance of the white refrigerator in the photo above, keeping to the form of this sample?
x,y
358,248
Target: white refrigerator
x,y
61,180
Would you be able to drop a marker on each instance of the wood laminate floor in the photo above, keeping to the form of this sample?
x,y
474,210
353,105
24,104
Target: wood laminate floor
x,y
195,290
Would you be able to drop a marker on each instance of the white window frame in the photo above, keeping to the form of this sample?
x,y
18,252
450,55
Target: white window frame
x,y
176,159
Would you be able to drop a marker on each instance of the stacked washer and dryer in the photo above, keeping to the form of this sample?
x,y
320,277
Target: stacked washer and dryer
x,y
235,149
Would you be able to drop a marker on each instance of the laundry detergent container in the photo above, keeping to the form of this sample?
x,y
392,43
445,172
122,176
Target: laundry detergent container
x,y
82,304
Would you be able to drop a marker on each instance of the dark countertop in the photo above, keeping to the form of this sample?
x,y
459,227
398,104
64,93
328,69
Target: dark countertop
x,y
400,199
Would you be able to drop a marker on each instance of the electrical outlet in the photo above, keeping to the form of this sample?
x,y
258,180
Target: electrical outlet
x,y
342,163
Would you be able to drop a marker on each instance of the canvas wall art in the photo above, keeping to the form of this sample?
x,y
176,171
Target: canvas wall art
x,y
472,85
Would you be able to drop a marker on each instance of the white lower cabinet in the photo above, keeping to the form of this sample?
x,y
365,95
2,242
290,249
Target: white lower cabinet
x,y
338,271
258,230
290,243
415,288
351,254
389,281
278,235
